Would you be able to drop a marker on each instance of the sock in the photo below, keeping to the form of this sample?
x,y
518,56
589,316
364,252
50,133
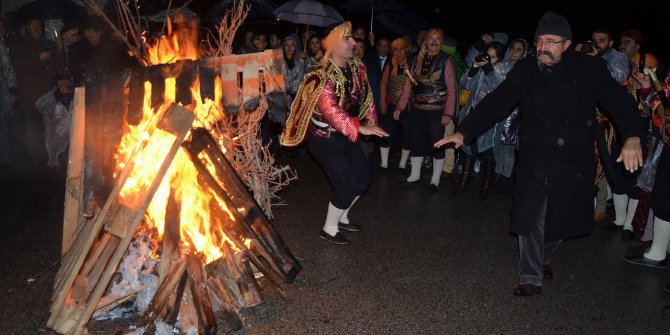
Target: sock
x,y
417,163
630,214
404,155
385,156
438,164
620,207
661,240
333,217
345,215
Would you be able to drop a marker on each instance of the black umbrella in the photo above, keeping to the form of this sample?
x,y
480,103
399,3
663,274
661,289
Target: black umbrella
x,y
261,11
373,7
401,23
50,10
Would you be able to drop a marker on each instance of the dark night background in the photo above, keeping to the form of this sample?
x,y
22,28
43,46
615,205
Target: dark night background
x,y
517,19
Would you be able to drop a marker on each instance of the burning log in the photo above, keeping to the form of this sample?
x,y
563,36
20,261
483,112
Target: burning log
x,y
118,219
207,259
229,187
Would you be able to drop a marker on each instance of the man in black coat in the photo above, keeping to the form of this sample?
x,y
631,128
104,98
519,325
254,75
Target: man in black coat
x,y
557,92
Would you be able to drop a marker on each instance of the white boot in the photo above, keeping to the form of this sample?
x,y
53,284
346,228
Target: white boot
x,y
384,156
630,214
659,245
438,165
620,207
417,162
404,155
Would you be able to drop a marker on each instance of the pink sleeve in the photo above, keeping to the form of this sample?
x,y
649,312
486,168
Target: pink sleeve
x,y
450,80
327,103
404,96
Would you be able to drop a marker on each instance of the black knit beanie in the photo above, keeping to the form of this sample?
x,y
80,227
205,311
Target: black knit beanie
x,y
553,24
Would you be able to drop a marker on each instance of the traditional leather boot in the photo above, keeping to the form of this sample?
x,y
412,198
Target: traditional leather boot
x,y
466,173
489,176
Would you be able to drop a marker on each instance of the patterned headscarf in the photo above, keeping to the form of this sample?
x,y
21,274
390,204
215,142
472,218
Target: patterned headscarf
x,y
335,35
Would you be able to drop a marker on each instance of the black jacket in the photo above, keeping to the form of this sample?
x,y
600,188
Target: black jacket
x,y
556,137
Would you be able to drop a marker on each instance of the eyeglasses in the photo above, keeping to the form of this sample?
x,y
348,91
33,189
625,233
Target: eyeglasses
x,y
550,43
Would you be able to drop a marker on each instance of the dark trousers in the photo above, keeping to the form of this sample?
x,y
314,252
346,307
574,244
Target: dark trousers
x,y
344,164
535,252
427,129
660,196
399,130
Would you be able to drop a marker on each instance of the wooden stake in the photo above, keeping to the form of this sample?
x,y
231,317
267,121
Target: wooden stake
x,y
75,171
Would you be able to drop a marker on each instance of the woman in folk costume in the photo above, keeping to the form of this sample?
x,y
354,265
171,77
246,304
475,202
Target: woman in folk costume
x,y
334,104
432,89
393,81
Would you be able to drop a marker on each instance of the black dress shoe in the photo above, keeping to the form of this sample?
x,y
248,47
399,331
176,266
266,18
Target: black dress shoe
x,y
526,290
410,183
627,235
338,239
665,310
644,261
402,170
349,226
611,227
432,188
547,271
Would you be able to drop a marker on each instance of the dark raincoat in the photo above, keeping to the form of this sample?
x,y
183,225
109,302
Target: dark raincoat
x,y
556,149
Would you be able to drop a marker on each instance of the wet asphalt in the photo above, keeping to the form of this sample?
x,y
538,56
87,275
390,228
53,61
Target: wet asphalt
x,y
424,263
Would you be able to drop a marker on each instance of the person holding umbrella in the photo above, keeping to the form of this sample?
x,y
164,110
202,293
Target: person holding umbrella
x,y
334,103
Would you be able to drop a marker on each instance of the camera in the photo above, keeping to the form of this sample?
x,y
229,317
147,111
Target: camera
x,y
589,46
483,57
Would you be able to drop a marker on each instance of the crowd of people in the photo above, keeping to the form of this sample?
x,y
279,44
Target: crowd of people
x,y
564,125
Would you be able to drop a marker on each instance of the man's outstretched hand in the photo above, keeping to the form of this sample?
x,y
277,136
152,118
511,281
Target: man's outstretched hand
x,y
456,139
631,154
372,130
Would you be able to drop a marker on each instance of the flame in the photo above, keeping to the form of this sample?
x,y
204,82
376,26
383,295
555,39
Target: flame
x,y
200,229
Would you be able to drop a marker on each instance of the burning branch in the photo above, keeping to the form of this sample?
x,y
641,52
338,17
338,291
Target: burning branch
x,y
222,45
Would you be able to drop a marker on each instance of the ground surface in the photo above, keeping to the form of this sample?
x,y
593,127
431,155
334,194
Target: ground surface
x,y
423,264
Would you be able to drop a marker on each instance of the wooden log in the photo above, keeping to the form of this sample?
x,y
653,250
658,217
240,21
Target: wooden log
x,y
171,235
229,186
218,293
207,70
185,79
249,286
177,120
203,306
124,221
136,97
82,289
220,270
75,171
163,293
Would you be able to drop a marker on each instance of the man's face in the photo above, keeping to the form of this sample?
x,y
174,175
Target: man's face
x,y
359,33
260,42
400,54
93,35
550,48
628,46
603,42
433,43
344,49
34,29
359,50
275,42
383,47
